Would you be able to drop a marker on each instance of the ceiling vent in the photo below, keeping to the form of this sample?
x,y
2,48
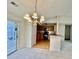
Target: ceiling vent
x,y
13,3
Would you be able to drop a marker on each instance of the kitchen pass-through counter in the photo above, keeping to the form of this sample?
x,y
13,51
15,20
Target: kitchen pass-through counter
x,y
55,42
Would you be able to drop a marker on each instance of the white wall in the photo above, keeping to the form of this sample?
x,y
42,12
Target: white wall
x,y
53,20
34,31
65,20
22,35
61,30
30,34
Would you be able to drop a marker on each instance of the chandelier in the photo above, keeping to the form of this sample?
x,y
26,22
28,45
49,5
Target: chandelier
x,y
34,18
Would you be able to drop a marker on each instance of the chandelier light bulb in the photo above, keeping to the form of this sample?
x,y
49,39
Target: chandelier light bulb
x,y
42,19
30,21
34,14
27,15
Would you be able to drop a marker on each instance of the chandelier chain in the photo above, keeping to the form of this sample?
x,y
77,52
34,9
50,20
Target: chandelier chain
x,y
35,6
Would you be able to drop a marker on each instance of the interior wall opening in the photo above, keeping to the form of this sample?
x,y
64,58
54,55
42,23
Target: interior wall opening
x,y
43,35
68,32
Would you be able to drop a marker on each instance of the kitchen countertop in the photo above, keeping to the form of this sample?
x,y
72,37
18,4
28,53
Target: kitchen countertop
x,y
55,35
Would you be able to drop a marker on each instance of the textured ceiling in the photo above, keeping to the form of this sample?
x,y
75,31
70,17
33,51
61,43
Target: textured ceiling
x,y
47,8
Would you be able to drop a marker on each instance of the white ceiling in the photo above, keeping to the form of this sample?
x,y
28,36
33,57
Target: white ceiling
x,y
47,8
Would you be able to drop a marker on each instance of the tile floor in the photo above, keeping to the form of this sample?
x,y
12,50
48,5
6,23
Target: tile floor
x,y
37,53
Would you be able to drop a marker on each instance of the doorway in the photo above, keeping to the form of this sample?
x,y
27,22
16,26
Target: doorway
x,y
68,32
41,41
11,37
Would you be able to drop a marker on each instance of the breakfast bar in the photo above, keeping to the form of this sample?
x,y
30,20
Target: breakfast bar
x,y
55,42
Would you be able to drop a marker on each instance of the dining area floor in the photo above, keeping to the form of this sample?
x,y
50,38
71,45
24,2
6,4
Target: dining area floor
x,y
39,53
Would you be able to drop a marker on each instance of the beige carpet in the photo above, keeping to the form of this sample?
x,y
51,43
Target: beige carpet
x,y
36,53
